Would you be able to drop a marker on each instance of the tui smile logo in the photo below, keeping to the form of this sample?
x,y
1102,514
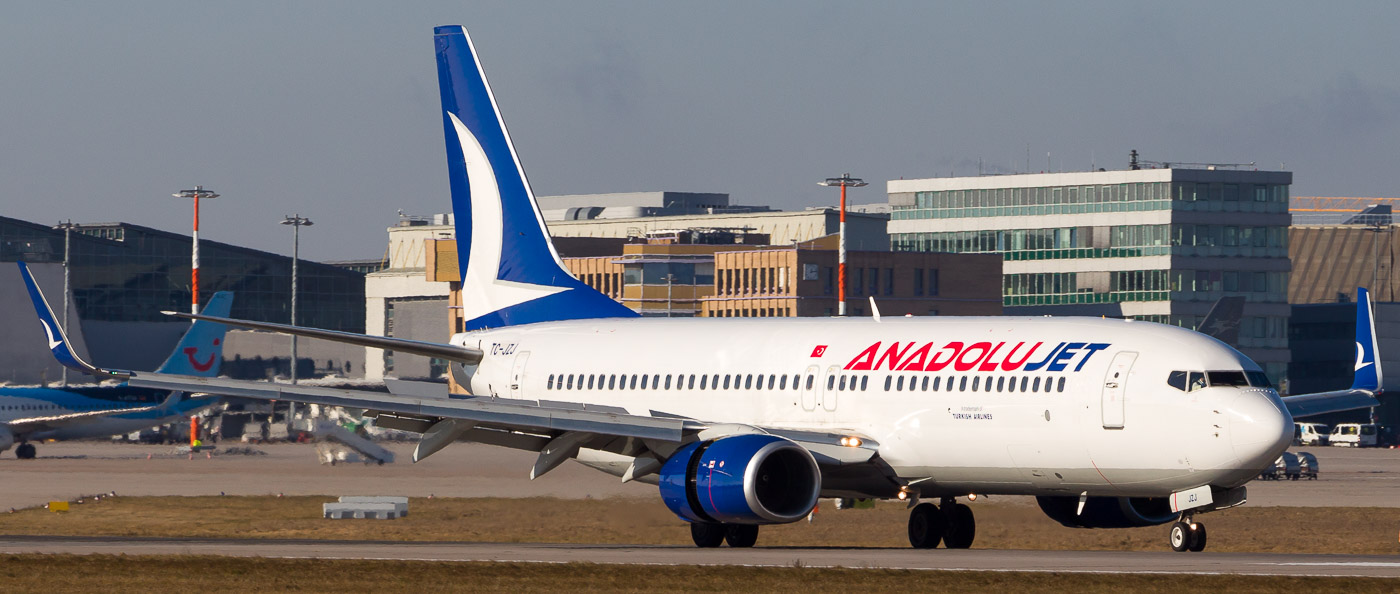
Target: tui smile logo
x,y
190,352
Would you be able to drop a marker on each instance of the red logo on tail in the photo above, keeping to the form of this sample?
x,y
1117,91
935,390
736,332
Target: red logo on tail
x,y
190,352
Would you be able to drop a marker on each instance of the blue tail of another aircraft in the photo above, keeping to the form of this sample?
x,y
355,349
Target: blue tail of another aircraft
x,y
201,350
511,273
1368,368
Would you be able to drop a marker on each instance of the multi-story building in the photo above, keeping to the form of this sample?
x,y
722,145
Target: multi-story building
x,y
1152,244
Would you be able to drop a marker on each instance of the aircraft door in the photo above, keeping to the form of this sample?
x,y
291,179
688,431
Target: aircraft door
x,y
809,387
829,389
1115,389
517,373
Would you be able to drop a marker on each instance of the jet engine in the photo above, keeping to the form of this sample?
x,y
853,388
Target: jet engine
x,y
1108,512
741,479
7,438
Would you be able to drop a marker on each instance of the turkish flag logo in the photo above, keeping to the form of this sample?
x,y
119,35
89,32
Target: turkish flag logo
x,y
819,351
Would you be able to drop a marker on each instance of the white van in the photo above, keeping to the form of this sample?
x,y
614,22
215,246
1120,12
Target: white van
x,y
1310,433
1356,435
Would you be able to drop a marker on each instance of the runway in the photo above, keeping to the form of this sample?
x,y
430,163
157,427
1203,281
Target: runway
x,y
1106,562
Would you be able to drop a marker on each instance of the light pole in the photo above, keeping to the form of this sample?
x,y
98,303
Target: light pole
x,y
844,181
67,228
297,222
196,194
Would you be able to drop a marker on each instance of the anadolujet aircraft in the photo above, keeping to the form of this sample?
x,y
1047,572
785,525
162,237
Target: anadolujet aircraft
x,y
1108,423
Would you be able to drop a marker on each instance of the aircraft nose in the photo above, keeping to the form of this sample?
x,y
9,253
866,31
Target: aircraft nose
x,y
1260,428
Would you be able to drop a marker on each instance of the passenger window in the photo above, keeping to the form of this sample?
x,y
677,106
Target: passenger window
x,y
1024,380
1035,385
1001,384
889,381
810,378
691,384
899,384
590,381
842,385
772,381
1061,386
864,382
782,383
702,381
550,384
748,382
988,386
830,382
962,384
645,381
633,384
656,381
571,381
612,382
974,383
726,381
935,383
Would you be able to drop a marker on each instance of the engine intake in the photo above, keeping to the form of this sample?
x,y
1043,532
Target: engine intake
x,y
741,479
1108,512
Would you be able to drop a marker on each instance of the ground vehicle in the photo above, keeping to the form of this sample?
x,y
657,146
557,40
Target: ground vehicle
x,y
1310,433
1356,435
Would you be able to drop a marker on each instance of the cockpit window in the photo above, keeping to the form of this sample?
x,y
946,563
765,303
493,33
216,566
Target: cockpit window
x,y
1227,378
1186,381
1258,379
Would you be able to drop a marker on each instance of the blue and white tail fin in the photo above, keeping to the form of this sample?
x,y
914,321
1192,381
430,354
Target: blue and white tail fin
x,y
201,350
511,273
1368,363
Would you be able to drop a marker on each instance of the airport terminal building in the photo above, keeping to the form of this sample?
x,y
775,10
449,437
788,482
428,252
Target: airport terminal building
x,y
1152,244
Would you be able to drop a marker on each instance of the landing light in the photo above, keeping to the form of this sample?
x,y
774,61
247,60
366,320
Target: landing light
x,y
903,495
972,497
851,442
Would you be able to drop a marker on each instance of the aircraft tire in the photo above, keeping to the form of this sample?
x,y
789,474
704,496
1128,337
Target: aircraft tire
x,y
1180,537
1198,538
25,451
962,526
927,525
741,536
707,536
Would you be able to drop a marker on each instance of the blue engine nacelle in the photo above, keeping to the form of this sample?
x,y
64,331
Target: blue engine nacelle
x,y
741,479
1108,512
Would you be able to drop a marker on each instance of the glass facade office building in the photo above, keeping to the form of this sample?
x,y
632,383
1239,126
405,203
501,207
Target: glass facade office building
x,y
1156,244
129,273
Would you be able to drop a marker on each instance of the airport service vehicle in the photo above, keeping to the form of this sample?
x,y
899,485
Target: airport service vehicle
x,y
1310,433
75,412
746,422
1354,435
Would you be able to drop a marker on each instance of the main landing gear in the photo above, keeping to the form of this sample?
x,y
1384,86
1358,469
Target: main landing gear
x,y
25,451
709,536
952,524
1188,535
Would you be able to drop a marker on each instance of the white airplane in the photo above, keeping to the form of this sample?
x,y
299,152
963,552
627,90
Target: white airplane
x,y
29,414
1108,423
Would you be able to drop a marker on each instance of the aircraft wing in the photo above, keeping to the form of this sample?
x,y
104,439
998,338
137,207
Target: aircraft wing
x,y
1367,380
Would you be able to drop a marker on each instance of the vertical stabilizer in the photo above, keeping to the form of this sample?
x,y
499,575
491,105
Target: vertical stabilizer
x,y
201,350
511,273
1368,362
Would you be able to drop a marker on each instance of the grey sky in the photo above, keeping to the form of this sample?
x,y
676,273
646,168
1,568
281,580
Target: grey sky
x,y
330,109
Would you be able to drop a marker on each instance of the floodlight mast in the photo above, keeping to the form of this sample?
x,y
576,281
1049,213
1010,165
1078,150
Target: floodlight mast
x,y
845,181
297,222
196,194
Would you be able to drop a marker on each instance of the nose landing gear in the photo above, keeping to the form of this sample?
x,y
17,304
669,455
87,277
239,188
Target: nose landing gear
x,y
1188,535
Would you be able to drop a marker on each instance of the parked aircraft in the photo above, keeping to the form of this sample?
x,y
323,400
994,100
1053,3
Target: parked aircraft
x,y
744,422
29,414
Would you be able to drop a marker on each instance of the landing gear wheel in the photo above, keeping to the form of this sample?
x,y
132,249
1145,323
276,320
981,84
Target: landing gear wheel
x,y
1198,538
707,536
25,451
1180,537
926,526
741,536
962,526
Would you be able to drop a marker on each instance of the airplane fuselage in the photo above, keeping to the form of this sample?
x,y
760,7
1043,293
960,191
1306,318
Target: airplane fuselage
x,y
957,405
102,406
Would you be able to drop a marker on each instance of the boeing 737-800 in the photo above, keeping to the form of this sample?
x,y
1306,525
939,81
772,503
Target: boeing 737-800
x,y
1109,423
75,412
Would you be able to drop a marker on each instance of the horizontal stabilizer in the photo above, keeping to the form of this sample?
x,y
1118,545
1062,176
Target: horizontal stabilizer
x,y
459,354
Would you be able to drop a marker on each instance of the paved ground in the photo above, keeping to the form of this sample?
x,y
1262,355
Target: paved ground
x,y
941,559
1350,477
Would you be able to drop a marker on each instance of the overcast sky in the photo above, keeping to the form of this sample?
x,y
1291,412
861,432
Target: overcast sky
x,y
330,109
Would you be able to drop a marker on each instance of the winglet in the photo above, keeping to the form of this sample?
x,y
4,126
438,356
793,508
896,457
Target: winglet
x,y
1368,362
58,340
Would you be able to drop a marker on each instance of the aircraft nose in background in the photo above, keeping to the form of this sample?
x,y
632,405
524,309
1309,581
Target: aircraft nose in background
x,y
1260,428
